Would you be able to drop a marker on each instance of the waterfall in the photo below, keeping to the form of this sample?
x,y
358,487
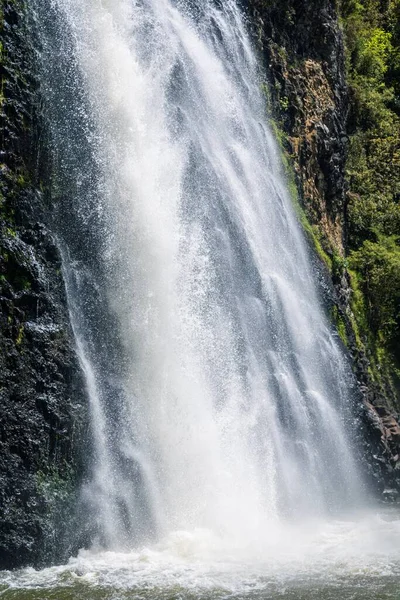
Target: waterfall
x,y
220,399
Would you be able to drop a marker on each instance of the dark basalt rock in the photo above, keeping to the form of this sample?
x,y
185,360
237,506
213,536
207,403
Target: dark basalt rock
x,y
304,56
42,408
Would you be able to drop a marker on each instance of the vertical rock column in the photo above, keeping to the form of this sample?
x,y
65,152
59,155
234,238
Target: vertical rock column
x,y
41,390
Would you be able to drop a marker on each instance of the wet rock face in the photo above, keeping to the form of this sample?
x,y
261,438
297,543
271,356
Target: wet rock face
x,y
304,56
41,398
308,29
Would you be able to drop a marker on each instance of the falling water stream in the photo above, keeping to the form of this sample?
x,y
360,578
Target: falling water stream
x,y
220,400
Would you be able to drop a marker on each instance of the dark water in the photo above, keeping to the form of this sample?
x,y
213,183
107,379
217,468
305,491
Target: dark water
x,y
377,588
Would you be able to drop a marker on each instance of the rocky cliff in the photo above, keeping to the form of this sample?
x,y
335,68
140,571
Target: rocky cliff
x,y
312,105
41,404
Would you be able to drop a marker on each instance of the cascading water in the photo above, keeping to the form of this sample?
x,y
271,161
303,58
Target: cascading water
x,y
218,393
219,398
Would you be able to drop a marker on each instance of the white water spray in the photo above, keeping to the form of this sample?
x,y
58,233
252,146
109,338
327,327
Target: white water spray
x,y
218,394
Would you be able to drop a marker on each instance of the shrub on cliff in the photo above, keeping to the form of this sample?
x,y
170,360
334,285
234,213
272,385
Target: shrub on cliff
x,y
379,265
372,34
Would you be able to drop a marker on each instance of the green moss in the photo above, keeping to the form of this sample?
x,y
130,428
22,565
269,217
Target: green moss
x,y
284,103
312,232
54,484
282,138
357,304
340,324
339,265
20,336
11,232
22,178
315,238
57,487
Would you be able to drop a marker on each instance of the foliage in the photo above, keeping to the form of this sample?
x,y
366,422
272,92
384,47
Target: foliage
x,y
340,323
379,265
372,36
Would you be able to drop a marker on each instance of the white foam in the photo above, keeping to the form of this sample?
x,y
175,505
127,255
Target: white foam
x,y
333,552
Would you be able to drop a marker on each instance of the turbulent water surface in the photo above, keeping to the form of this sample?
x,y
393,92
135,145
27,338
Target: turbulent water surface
x,y
220,399
319,560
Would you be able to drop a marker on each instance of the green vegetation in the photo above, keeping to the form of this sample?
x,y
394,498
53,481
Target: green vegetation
x,y
20,336
372,36
339,320
56,489
55,485
313,233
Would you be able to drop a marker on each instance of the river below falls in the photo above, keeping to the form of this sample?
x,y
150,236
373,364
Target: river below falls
x,y
347,559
